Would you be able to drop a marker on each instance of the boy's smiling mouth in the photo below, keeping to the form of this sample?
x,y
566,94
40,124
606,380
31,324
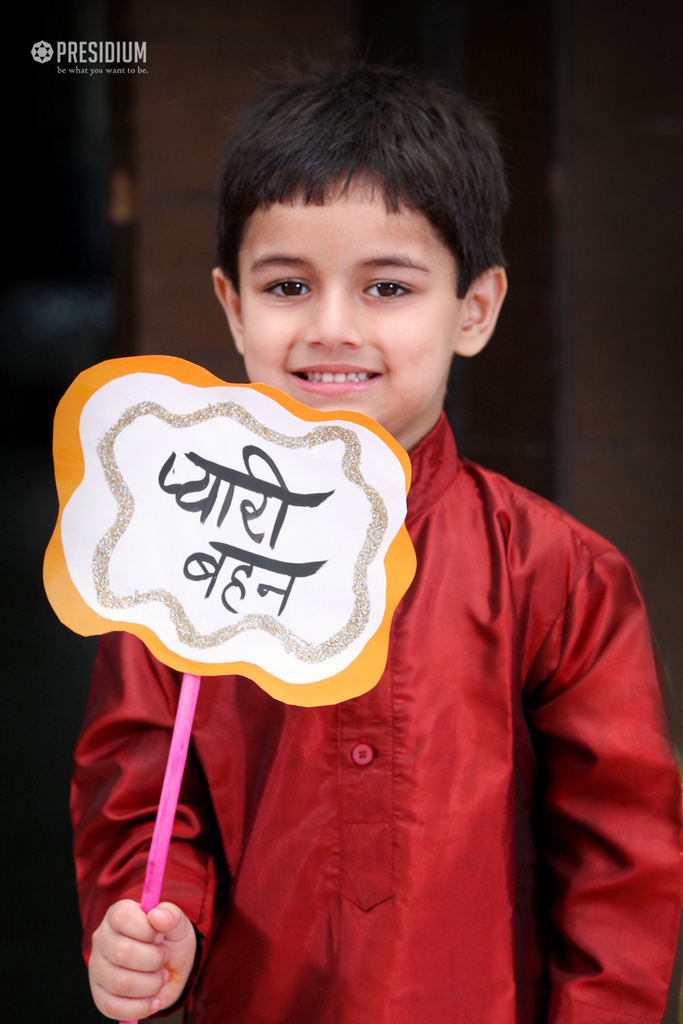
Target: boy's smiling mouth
x,y
334,379
331,377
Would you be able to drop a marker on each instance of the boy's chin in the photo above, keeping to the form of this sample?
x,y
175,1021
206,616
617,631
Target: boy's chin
x,y
329,397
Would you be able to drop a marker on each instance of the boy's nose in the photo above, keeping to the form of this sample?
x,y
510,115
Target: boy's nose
x,y
333,322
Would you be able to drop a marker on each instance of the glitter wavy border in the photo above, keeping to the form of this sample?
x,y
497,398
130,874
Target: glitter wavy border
x,y
302,649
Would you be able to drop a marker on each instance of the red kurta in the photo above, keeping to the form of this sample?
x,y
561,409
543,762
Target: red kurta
x,y
491,835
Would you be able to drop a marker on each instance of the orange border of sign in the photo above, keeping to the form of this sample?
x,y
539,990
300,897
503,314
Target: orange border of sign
x,y
400,562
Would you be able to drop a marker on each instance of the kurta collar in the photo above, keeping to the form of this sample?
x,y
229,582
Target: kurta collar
x,y
434,464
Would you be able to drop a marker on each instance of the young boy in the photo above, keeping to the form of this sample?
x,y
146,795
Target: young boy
x,y
507,849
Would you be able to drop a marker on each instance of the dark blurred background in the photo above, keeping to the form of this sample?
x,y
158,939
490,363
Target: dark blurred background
x,y
108,199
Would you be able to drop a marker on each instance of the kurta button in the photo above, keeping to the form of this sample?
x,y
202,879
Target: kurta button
x,y
362,754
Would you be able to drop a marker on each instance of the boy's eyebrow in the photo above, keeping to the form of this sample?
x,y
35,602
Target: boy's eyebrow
x,y
278,259
396,261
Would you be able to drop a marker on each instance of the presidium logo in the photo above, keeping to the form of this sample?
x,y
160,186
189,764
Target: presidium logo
x,y
103,52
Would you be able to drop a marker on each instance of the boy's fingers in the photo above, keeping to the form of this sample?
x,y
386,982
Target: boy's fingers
x,y
132,954
128,984
121,1008
127,918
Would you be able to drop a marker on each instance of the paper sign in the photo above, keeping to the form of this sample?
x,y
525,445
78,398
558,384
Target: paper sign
x,y
231,528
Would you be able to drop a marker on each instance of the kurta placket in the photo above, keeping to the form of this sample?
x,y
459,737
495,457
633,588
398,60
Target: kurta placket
x,y
365,753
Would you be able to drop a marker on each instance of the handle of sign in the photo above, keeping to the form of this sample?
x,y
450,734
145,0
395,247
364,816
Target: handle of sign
x,y
175,765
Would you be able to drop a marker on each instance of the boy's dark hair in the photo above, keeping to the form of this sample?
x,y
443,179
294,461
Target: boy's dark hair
x,y
427,148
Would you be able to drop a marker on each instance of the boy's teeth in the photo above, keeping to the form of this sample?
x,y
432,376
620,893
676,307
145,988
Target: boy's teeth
x,y
335,378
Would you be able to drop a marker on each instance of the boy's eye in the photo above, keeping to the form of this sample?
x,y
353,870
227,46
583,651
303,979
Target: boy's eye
x,y
386,289
290,289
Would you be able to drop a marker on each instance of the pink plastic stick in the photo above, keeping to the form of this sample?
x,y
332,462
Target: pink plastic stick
x,y
175,766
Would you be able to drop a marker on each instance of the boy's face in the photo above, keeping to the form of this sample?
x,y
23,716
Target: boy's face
x,y
349,306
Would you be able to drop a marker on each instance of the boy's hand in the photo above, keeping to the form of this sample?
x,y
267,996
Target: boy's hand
x,y
140,962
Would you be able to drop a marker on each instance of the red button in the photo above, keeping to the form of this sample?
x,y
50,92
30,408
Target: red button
x,y
362,754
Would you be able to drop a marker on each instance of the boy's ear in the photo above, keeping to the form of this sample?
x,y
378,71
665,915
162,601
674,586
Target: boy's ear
x,y
232,306
481,308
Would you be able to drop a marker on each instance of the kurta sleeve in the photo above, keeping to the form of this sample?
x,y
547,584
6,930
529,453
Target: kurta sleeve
x,y
119,768
610,822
